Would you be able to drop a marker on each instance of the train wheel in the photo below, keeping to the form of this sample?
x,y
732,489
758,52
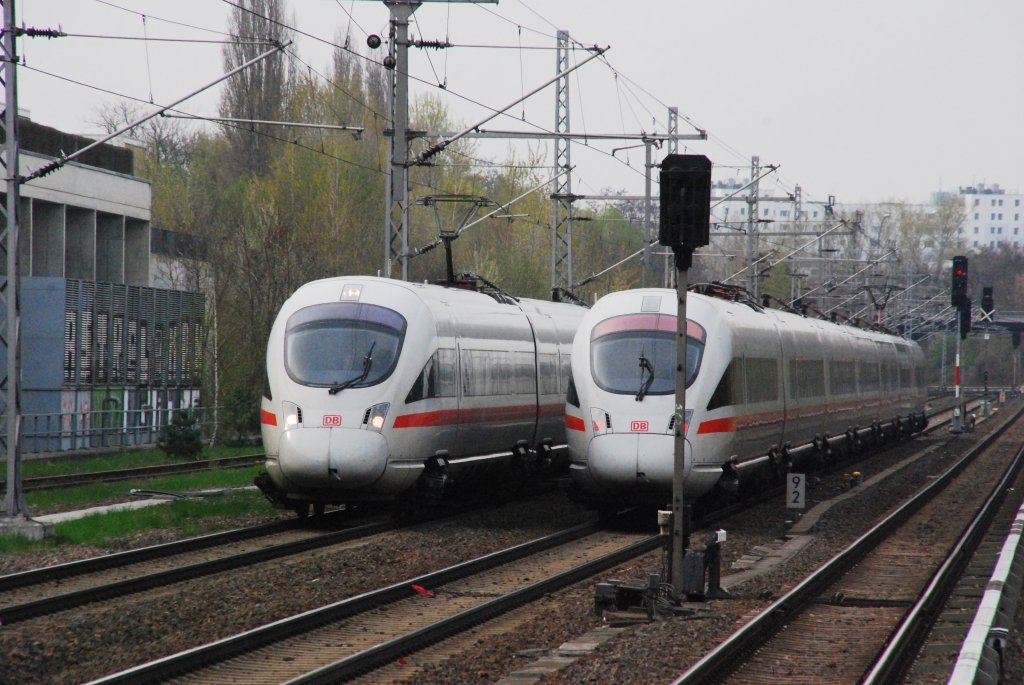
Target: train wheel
x,y
301,509
318,509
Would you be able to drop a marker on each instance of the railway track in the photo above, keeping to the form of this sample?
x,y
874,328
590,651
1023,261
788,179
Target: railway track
x,y
52,589
941,648
389,652
71,480
372,630
213,637
858,614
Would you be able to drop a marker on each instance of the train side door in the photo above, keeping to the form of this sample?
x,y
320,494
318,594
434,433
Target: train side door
x,y
497,402
550,397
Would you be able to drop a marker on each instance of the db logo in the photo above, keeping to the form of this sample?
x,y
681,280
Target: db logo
x,y
332,420
638,426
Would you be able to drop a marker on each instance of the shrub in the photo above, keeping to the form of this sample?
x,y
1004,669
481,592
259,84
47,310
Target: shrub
x,y
241,418
181,437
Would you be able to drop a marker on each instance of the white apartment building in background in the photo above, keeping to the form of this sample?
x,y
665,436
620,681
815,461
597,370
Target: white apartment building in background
x,y
734,211
994,217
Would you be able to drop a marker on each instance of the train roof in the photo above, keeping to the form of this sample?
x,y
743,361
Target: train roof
x,y
741,310
313,291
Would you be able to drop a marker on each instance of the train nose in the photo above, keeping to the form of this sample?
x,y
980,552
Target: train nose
x,y
625,459
333,457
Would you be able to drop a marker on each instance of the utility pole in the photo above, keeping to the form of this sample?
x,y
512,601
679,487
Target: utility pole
x,y
562,198
396,233
15,519
396,186
673,148
648,261
752,217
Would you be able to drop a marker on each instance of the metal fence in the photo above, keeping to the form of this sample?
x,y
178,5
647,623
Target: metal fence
x,y
104,429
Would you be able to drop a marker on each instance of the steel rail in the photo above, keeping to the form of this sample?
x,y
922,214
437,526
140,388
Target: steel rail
x,y
901,648
191,660
134,556
731,653
387,652
70,480
49,605
94,564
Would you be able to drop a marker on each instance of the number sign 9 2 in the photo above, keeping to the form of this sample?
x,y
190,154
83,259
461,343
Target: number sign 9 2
x,y
796,495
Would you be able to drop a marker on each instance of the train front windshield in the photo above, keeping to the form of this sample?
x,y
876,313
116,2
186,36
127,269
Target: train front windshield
x,y
636,351
343,344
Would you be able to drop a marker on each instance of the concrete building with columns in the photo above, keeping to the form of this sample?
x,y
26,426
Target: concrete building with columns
x,y
106,352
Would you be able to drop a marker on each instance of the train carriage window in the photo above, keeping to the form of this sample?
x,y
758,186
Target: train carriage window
x,y
892,376
730,389
437,378
571,395
807,378
524,370
843,377
762,379
869,376
498,372
906,367
343,343
548,373
617,345
564,371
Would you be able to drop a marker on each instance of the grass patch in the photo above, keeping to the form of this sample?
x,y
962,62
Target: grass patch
x,y
100,492
186,518
113,461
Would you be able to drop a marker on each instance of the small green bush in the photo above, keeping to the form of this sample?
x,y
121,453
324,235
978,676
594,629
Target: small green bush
x,y
181,437
241,422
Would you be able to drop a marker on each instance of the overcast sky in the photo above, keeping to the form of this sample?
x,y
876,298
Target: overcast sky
x,y
868,101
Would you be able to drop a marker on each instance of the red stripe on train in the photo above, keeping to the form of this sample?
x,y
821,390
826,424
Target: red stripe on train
x,y
427,418
726,425
447,417
575,423
268,418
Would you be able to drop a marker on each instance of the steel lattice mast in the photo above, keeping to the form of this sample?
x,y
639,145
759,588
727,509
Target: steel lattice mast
x,y
561,198
15,517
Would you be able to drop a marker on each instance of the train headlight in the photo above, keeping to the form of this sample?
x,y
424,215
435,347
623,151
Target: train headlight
x,y
292,415
375,415
600,421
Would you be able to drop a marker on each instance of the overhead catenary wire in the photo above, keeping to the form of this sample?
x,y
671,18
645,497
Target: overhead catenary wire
x,y
519,28
463,97
501,207
152,39
165,20
65,158
629,102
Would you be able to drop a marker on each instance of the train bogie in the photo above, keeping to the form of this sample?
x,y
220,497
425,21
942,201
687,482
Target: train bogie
x,y
377,388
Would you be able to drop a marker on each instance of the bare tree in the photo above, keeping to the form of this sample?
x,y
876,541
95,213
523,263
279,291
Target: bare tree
x,y
260,92
166,141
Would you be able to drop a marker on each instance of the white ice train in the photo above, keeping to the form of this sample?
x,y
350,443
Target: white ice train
x,y
381,389
765,388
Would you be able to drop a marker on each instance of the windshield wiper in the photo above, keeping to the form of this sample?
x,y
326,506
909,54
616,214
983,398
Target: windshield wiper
x,y
367,363
645,365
